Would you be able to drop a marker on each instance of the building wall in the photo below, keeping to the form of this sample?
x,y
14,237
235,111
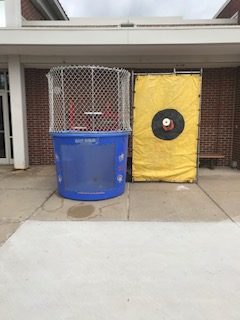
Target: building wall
x,y
231,8
217,115
29,12
236,136
40,145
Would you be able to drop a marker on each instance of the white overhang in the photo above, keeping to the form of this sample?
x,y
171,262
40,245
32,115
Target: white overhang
x,y
156,45
122,36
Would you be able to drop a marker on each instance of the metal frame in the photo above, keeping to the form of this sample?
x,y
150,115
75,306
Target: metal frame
x,y
164,73
88,98
134,74
199,126
132,107
7,159
7,137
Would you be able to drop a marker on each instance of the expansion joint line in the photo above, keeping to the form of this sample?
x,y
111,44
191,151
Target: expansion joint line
x,y
214,201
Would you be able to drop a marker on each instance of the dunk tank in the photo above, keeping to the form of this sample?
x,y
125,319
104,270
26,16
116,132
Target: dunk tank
x,y
89,125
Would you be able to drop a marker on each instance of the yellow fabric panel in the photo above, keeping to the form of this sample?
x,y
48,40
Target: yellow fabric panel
x,y
155,159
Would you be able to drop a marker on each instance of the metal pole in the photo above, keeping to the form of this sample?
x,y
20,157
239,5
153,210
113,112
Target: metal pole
x,y
199,125
166,73
63,100
93,101
119,103
132,115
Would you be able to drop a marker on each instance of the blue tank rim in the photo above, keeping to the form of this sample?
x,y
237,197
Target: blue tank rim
x,y
89,134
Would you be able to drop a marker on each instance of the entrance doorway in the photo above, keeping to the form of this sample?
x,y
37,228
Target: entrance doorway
x,y
6,145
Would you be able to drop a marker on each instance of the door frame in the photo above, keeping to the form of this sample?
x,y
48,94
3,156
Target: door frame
x,y
7,159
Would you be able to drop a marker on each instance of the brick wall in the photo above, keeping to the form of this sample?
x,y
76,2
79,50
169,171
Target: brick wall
x,y
231,8
29,12
236,136
40,144
217,114
218,104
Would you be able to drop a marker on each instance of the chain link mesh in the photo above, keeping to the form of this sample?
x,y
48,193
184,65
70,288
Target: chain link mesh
x,y
88,98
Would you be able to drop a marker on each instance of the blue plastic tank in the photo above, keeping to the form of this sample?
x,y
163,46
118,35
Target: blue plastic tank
x,y
90,165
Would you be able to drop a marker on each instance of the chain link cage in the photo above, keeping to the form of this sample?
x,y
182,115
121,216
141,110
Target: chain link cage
x,y
88,98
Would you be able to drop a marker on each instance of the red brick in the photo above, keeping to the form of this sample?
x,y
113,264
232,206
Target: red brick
x,y
40,144
29,11
217,112
231,8
236,136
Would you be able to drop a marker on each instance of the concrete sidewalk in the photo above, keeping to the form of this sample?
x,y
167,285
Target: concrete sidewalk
x,y
89,270
31,195
161,251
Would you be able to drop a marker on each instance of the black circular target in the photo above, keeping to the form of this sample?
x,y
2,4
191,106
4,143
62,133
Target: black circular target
x,y
168,124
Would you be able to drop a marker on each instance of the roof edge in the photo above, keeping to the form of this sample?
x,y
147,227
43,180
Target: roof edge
x,y
50,9
221,9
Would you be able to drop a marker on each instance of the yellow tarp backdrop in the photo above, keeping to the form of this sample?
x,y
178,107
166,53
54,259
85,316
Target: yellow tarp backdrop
x,y
155,159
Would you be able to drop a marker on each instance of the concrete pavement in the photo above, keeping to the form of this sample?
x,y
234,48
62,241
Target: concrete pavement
x,y
161,251
121,270
31,194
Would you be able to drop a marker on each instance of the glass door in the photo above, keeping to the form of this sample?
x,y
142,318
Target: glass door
x,y
5,132
2,133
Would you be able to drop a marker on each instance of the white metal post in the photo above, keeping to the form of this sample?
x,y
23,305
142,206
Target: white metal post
x,y
18,108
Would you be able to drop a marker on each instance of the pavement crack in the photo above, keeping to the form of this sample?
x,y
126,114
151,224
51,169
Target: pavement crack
x,y
110,205
216,204
3,222
25,189
35,210
52,210
128,201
